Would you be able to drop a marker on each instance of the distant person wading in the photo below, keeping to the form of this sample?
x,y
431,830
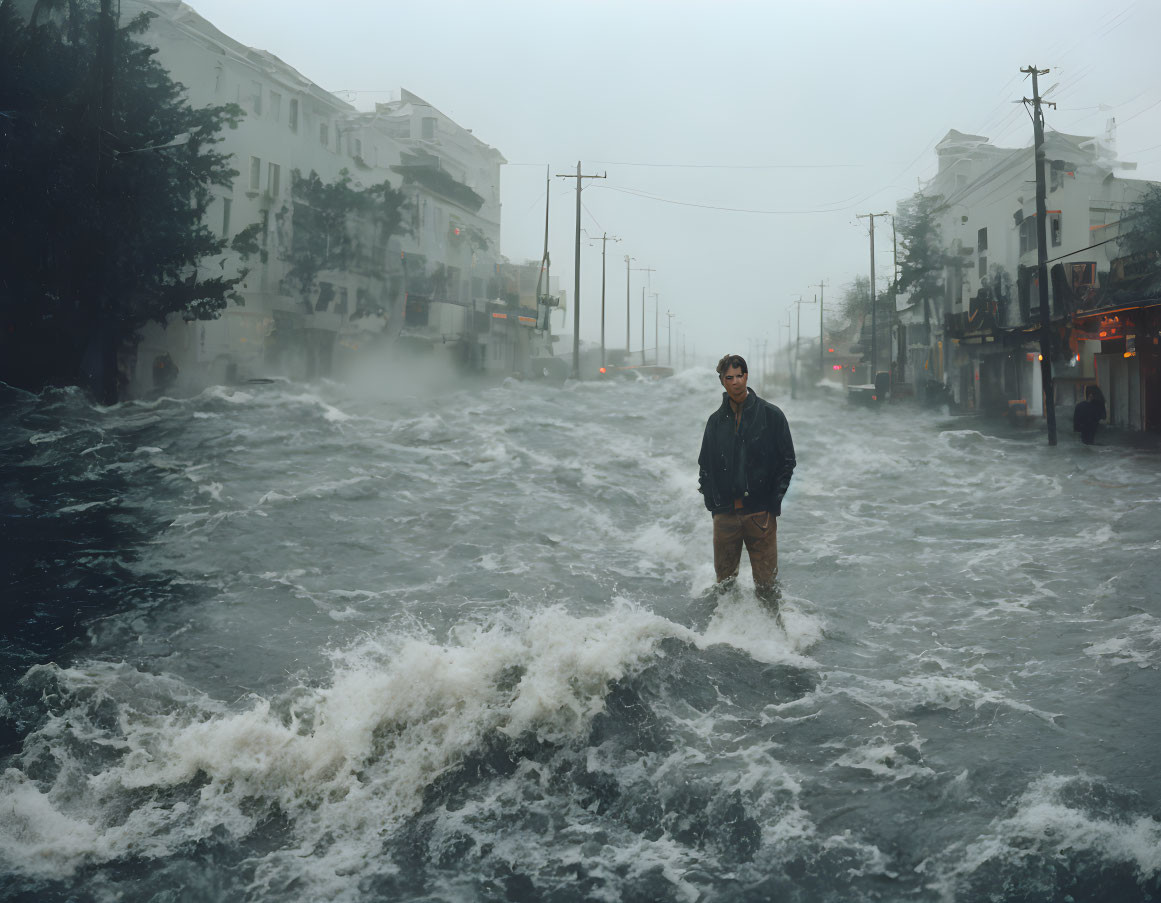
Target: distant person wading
x,y
746,462
1088,414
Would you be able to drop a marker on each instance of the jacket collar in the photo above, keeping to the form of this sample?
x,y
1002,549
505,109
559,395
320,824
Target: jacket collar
x,y
751,398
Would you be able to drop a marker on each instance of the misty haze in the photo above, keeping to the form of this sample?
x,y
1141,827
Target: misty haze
x,y
372,470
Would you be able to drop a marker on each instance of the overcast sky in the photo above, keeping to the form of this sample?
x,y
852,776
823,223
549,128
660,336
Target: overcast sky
x,y
740,139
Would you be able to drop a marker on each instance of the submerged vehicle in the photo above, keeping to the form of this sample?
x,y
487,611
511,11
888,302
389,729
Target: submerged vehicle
x,y
871,394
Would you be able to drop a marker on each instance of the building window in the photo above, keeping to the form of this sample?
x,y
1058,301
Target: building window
x,y
1028,235
324,134
292,118
275,106
256,97
255,173
982,240
358,147
1054,230
326,294
227,205
983,268
428,126
273,179
341,307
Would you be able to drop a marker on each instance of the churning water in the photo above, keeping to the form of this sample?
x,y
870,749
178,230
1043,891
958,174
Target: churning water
x,y
297,643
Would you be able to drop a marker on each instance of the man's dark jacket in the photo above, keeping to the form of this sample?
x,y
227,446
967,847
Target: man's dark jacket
x,y
751,460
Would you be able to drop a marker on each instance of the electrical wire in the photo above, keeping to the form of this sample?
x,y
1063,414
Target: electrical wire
x,y
638,193
1139,112
593,218
734,165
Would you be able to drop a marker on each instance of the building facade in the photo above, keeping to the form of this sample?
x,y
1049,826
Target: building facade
x,y
419,288
981,338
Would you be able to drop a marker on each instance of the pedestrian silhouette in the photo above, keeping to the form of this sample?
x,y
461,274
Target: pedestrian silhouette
x,y
1088,414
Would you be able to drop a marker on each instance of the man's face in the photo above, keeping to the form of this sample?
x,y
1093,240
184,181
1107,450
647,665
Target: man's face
x,y
734,381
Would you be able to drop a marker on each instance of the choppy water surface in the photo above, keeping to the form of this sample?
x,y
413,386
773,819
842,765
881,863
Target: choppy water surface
x,y
289,643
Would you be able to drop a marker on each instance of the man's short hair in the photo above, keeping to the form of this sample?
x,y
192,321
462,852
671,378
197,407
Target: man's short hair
x,y
732,360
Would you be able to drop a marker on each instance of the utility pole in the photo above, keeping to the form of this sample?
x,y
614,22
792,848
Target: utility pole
x,y
1042,253
656,329
642,326
576,267
874,302
669,339
605,239
627,306
821,301
798,340
789,357
647,271
900,372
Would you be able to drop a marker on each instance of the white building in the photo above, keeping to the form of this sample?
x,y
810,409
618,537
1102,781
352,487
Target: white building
x,y
980,336
451,180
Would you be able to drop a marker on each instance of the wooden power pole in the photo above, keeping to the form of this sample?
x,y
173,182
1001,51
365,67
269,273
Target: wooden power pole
x,y
576,267
1042,254
605,239
874,301
821,301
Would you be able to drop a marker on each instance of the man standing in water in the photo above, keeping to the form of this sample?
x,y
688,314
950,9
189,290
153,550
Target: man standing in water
x,y
746,461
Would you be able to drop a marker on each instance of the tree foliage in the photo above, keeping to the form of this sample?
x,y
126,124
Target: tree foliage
x,y
855,300
1144,224
921,253
330,224
102,220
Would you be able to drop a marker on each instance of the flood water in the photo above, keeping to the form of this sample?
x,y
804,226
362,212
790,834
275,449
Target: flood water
x,y
311,642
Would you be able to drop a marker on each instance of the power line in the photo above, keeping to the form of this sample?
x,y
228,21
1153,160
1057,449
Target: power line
x,y
1139,112
736,165
584,206
634,192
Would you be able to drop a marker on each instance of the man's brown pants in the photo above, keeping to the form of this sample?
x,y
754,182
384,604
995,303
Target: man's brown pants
x,y
759,533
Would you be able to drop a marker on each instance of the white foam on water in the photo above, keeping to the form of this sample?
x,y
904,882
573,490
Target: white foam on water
x,y
936,691
1043,822
330,413
44,438
346,762
1139,644
775,635
85,506
274,496
876,862
662,544
883,759
219,393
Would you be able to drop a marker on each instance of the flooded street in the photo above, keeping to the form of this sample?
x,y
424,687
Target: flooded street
x,y
306,642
